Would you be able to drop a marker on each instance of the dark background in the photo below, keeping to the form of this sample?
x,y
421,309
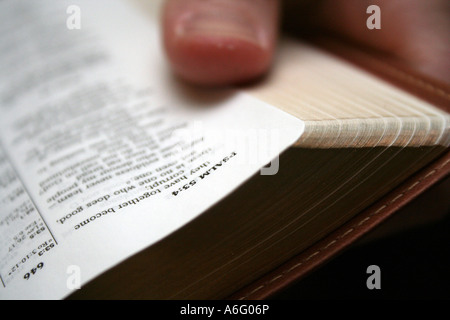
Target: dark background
x,y
414,260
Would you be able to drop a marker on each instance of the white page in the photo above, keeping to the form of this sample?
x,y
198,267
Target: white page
x,y
102,152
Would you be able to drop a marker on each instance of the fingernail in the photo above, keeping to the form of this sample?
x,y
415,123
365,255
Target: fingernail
x,y
223,21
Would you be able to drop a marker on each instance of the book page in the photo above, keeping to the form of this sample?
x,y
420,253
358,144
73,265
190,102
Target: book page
x,y
103,152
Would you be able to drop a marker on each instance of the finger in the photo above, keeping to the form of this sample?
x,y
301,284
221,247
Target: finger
x,y
220,42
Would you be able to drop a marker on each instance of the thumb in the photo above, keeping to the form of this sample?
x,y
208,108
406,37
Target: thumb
x,y
220,42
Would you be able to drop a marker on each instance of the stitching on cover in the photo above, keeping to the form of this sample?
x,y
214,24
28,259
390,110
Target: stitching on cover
x,y
338,238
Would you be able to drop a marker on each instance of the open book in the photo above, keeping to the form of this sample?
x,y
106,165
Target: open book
x,y
118,181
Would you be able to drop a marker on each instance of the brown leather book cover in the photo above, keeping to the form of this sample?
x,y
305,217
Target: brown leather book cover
x,y
335,243
377,215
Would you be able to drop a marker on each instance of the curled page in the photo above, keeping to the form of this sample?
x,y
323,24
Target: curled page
x,y
102,152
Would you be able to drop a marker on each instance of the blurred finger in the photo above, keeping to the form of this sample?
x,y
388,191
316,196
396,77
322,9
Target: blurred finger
x,y
220,42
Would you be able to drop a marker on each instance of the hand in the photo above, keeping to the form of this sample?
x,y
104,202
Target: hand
x,y
223,42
